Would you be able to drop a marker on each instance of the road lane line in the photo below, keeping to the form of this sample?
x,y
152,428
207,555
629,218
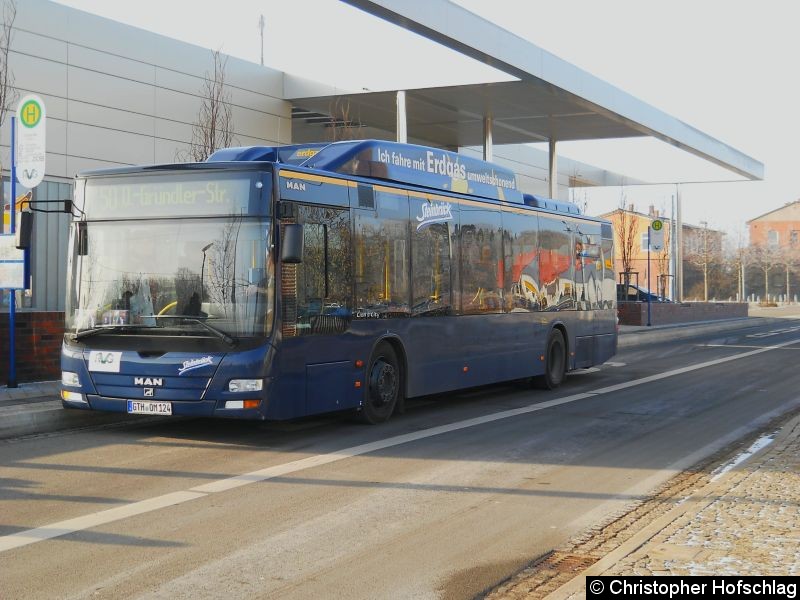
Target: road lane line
x,y
23,538
737,346
61,528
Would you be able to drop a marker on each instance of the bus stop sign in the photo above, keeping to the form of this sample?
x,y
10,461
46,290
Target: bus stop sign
x,y
656,234
31,148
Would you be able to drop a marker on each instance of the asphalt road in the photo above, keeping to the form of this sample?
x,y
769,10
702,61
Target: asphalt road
x,y
442,502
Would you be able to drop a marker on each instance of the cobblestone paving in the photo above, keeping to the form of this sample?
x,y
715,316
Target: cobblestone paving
x,y
742,522
748,525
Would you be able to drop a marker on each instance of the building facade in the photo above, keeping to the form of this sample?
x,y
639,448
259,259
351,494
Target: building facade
x,y
779,228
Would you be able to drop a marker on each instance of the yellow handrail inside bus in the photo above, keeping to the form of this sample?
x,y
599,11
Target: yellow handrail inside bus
x,y
168,307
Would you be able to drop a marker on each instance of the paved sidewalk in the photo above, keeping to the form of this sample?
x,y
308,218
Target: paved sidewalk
x,y
745,521
39,391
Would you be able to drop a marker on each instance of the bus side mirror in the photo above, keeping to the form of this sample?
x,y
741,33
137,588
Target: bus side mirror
x,y
292,243
24,230
83,238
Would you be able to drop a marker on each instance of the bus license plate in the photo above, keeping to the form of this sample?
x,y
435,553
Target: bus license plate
x,y
145,407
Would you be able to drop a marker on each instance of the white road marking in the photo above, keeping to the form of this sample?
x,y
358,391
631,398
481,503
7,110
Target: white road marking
x,y
61,528
759,444
615,364
774,332
737,346
584,371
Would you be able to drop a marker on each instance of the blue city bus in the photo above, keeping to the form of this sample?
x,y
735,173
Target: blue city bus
x,y
280,282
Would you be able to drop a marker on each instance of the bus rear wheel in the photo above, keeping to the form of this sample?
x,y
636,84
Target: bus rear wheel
x,y
555,362
384,385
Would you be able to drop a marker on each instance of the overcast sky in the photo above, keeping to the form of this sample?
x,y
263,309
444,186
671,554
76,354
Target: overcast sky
x,y
727,67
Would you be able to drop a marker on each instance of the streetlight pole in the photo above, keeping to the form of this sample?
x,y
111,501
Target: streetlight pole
x,y
705,260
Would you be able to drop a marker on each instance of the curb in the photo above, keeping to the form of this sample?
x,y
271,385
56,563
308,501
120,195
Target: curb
x,y
680,331
50,416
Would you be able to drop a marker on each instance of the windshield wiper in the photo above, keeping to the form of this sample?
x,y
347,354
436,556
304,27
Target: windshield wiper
x,y
217,332
108,329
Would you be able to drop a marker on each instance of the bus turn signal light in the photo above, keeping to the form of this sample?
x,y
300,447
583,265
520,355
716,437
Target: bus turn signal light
x,y
359,364
252,403
357,384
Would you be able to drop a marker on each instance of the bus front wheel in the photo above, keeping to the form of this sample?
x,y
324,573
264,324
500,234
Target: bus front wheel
x,y
555,362
384,379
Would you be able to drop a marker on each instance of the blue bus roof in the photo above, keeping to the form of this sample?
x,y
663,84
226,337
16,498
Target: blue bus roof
x,y
404,163
295,154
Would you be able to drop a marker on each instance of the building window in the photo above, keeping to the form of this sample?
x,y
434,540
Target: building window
x,y
793,237
773,238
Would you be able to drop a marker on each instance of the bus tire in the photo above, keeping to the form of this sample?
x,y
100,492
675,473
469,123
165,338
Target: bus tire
x,y
383,386
555,362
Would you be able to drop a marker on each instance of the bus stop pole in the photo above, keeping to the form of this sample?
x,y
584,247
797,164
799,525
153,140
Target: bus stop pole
x,y
649,288
12,300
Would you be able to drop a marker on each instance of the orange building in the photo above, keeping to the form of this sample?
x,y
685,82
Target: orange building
x,y
779,228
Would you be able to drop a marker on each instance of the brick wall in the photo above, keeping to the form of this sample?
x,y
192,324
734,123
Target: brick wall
x,y
666,313
38,347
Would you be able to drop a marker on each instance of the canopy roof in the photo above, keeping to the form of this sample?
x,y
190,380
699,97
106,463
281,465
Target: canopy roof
x,y
550,100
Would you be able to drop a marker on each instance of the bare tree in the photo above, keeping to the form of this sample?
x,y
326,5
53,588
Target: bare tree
x,y
341,126
736,258
578,195
8,93
766,258
627,228
789,258
214,126
703,250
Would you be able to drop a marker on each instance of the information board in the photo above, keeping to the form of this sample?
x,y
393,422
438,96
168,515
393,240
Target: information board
x,y
12,264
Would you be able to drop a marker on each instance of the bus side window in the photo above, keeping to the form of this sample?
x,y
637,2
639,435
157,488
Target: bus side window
x,y
432,223
323,285
481,259
382,257
521,262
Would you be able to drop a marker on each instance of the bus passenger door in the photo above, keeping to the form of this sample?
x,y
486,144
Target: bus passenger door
x,y
316,311
586,238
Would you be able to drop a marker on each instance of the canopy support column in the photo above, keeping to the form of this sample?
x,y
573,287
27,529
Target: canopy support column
x,y
488,150
678,243
402,129
552,177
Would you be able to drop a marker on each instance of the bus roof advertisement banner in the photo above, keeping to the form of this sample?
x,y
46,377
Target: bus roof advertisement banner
x,y
31,147
428,167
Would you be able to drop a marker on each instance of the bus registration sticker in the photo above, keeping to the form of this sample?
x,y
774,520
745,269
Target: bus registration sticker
x,y
145,407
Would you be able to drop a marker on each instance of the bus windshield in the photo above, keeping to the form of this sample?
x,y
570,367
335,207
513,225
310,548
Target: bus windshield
x,y
171,277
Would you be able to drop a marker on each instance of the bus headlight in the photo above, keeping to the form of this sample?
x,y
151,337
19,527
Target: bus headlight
x,y
68,378
73,397
245,385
